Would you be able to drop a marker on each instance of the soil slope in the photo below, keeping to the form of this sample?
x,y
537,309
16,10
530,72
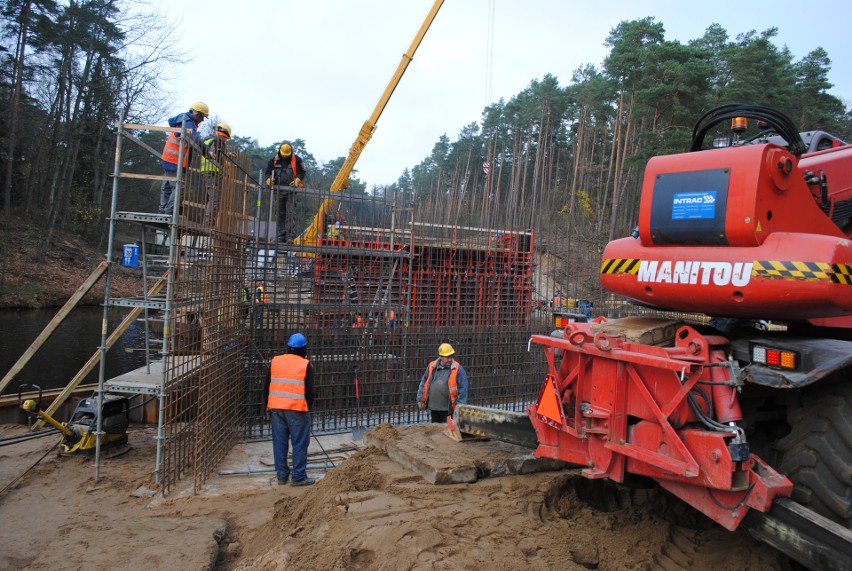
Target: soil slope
x,y
25,283
369,513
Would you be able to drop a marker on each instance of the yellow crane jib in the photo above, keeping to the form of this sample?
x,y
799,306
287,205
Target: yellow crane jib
x,y
341,181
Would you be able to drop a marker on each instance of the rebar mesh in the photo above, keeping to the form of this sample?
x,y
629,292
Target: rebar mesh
x,y
376,293
205,341
373,284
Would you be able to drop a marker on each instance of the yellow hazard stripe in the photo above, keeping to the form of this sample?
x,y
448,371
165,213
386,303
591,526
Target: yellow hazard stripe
x,y
807,271
767,269
620,266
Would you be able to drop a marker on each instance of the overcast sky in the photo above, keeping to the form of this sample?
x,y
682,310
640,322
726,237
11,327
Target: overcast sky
x,y
315,69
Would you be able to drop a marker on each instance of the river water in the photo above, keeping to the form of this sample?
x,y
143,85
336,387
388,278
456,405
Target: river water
x,y
68,349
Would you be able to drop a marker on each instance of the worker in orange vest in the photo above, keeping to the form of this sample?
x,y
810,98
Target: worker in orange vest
x,y
198,111
291,397
556,302
443,385
359,322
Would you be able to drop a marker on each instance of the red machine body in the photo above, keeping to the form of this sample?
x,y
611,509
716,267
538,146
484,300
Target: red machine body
x,y
737,232
748,232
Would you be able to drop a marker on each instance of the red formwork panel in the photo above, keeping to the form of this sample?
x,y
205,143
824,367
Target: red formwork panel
x,y
446,286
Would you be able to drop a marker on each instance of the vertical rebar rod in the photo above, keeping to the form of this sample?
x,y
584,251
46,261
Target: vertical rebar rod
x,y
174,254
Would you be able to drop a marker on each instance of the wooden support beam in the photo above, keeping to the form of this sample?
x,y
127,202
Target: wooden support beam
x,y
54,323
96,358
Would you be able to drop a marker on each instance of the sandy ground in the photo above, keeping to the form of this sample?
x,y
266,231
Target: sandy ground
x,y
368,512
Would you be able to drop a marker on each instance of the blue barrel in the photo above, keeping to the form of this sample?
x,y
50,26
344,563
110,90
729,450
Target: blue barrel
x,y
130,256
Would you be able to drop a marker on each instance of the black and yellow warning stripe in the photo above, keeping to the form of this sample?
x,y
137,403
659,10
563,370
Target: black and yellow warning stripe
x,y
807,271
620,266
771,269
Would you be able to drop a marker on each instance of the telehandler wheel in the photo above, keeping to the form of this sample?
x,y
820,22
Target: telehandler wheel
x,y
817,454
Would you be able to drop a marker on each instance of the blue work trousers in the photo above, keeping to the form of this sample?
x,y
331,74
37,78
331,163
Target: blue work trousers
x,y
167,194
291,426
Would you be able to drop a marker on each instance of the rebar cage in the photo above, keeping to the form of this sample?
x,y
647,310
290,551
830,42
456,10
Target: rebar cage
x,y
373,289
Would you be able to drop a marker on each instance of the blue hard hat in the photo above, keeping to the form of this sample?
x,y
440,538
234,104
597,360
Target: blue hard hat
x,y
296,341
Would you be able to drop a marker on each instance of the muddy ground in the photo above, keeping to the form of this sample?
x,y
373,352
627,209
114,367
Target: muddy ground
x,y
368,512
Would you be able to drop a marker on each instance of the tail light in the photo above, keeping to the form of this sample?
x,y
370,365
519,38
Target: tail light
x,y
775,358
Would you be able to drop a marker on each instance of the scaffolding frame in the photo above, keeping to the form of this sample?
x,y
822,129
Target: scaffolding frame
x,y
202,337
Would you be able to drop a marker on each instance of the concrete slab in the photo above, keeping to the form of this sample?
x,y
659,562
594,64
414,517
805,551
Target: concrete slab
x,y
425,449
250,465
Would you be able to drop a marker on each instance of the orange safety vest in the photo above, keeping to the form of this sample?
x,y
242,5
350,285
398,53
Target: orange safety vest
x,y
287,386
292,165
172,148
451,382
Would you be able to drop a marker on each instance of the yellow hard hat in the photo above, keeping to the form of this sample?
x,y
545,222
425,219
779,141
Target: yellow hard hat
x,y
225,129
285,150
200,107
446,350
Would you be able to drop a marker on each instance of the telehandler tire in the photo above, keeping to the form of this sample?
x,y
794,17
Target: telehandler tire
x,y
817,453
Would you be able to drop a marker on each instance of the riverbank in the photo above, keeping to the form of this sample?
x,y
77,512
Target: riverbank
x,y
27,284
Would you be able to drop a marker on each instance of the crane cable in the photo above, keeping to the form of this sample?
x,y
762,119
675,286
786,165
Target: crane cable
x,y
489,53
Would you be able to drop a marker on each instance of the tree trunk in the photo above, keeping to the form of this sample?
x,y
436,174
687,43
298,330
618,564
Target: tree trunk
x,y
14,106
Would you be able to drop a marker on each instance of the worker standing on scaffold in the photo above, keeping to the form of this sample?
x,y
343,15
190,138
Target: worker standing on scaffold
x,y
285,169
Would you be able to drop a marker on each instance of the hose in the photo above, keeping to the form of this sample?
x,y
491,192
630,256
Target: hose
x,y
10,440
24,473
777,121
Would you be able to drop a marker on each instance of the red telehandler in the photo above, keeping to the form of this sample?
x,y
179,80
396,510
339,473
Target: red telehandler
x,y
749,425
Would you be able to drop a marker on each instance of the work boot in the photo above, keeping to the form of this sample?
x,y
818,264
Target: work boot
x,y
304,482
283,481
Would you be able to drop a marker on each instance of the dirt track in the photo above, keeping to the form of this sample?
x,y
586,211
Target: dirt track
x,y
368,513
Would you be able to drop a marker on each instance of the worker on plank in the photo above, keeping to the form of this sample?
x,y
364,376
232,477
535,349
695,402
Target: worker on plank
x,y
196,115
216,154
285,169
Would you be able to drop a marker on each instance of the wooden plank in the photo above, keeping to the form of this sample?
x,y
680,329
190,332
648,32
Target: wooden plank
x,y
811,539
136,126
147,176
96,358
51,327
141,143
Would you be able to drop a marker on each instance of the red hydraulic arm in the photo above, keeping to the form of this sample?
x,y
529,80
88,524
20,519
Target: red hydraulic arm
x,y
670,413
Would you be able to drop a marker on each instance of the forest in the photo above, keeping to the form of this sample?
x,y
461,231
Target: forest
x,y
563,160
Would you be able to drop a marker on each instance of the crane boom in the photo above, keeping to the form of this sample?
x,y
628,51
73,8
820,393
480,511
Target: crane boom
x,y
309,236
